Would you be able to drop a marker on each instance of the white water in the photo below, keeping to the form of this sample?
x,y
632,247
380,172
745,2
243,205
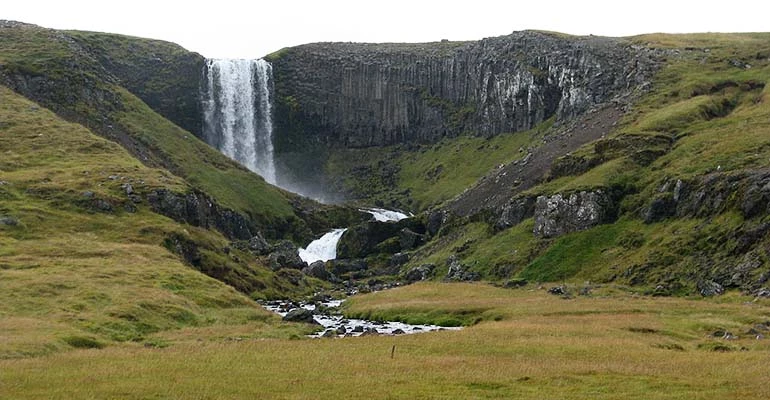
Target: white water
x,y
237,113
322,249
383,215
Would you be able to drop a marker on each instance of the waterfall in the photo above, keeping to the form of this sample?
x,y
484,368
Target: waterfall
x,y
237,112
383,215
323,249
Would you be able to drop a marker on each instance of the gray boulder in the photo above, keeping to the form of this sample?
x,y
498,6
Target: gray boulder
x,y
398,259
341,267
556,215
300,315
258,245
285,255
710,288
318,270
419,273
9,221
458,271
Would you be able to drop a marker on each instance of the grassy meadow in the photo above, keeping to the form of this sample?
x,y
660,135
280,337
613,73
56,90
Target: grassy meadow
x,y
527,344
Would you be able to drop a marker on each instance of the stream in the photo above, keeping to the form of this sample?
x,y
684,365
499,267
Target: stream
x,y
325,249
335,325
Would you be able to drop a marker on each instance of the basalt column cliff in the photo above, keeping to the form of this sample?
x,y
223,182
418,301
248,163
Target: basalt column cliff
x,y
358,95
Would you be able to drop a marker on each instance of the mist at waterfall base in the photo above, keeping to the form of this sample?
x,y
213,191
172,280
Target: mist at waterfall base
x,y
236,98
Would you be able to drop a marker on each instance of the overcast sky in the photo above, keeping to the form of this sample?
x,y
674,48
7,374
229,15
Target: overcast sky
x,y
251,29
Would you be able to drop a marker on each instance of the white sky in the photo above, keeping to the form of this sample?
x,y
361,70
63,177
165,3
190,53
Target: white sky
x,y
252,29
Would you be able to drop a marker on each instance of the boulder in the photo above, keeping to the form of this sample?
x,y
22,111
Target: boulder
x,y
661,207
318,270
515,211
457,271
343,266
285,255
436,219
300,315
9,221
375,237
419,273
258,245
710,288
556,215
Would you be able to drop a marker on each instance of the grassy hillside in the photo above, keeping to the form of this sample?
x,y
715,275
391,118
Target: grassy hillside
x,y
705,121
80,76
83,265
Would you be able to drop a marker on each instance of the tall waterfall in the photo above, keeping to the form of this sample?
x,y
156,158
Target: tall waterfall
x,y
237,114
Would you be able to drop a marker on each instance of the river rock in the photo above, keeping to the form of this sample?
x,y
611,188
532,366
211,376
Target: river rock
x,y
300,315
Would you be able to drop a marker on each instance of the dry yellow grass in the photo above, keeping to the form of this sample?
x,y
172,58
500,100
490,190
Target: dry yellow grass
x,y
612,347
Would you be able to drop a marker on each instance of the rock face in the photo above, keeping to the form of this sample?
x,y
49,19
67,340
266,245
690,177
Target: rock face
x,y
747,192
374,237
556,215
359,95
199,210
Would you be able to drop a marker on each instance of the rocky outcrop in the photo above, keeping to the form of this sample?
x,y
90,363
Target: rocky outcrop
x,y
746,191
284,254
457,271
556,215
517,210
381,237
359,95
198,209
419,273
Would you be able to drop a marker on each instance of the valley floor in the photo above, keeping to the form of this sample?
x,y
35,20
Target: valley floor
x,y
527,344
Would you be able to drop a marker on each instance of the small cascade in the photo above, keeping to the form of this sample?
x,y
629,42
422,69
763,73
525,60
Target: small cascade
x,y
322,249
237,112
383,215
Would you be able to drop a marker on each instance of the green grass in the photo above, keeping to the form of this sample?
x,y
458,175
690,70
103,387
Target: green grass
x,y
73,276
428,175
442,171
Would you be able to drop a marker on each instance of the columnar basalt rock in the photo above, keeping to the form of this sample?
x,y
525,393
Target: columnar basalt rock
x,y
360,95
